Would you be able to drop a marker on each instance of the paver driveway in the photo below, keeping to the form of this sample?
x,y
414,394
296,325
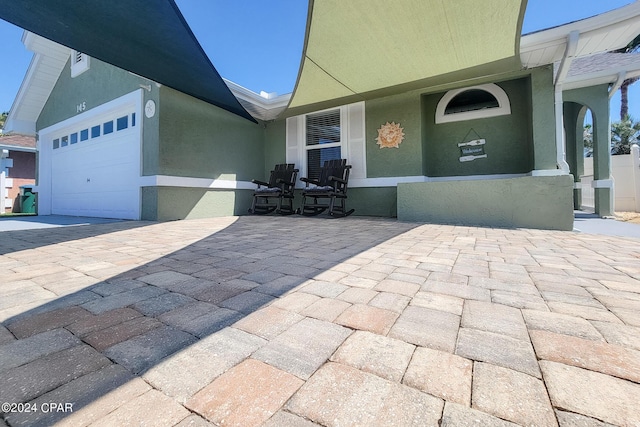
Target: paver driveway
x,y
292,321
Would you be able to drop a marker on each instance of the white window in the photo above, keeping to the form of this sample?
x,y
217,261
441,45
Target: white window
x,y
79,63
470,103
323,140
337,133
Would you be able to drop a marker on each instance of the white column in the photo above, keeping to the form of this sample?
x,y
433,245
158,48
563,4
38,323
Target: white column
x,y
561,156
635,161
5,163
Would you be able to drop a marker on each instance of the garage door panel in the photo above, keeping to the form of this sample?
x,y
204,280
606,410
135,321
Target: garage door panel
x,y
100,175
116,204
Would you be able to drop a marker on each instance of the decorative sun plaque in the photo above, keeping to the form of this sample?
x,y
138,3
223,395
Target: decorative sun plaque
x,y
390,135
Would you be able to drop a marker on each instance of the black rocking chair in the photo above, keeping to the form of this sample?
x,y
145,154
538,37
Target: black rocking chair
x,y
332,185
270,196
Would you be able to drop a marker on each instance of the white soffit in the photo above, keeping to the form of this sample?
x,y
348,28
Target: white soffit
x,y
46,65
608,31
258,106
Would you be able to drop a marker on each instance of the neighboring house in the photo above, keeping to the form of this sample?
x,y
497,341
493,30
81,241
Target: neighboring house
x,y
17,168
441,119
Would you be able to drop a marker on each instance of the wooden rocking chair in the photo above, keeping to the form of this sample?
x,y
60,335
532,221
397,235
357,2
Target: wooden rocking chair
x,y
270,196
332,185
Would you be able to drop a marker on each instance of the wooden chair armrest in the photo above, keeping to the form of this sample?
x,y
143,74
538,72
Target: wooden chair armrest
x,y
335,178
310,181
255,181
282,181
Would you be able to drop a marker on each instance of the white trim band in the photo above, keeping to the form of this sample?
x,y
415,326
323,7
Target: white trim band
x,y
182,181
391,181
548,172
602,183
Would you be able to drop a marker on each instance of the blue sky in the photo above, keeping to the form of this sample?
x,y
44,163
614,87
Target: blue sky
x,y
262,40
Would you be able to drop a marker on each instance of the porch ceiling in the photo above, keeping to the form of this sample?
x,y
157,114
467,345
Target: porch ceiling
x,y
362,46
149,38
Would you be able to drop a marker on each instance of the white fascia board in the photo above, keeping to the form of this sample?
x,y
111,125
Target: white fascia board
x,y
15,123
272,106
548,46
16,148
46,65
249,95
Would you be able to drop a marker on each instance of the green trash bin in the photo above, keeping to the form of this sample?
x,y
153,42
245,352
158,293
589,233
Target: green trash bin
x,y
27,199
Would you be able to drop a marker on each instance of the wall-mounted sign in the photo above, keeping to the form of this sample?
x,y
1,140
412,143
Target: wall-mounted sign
x,y
390,135
472,150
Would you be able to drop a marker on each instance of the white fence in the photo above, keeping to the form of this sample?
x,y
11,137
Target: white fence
x,y
626,177
5,182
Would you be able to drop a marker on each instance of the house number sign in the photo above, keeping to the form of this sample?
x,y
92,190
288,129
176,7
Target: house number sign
x,y
81,107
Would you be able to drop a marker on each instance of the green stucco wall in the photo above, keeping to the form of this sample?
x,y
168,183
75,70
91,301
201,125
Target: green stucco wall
x,y
172,203
275,140
101,83
543,118
574,144
98,85
199,140
527,202
203,141
406,160
508,138
596,98
375,201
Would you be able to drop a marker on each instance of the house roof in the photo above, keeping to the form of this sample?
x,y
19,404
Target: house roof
x,y
357,47
601,33
263,106
150,38
17,142
602,68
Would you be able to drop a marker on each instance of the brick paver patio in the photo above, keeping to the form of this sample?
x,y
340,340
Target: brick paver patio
x,y
292,321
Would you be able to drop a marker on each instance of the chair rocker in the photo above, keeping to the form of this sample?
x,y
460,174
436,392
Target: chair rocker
x,y
277,194
330,187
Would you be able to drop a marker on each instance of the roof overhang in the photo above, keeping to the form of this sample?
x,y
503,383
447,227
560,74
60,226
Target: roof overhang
x,y
17,142
361,48
605,32
17,148
601,69
49,58
263,106
149,38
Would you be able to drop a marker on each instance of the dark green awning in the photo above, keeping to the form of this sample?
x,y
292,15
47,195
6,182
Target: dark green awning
x,y
149,38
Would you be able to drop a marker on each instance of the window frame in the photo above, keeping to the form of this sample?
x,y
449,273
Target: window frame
x,y
352,140
306,147
503,108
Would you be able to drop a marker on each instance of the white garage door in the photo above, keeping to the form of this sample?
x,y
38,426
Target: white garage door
x,y
95,165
